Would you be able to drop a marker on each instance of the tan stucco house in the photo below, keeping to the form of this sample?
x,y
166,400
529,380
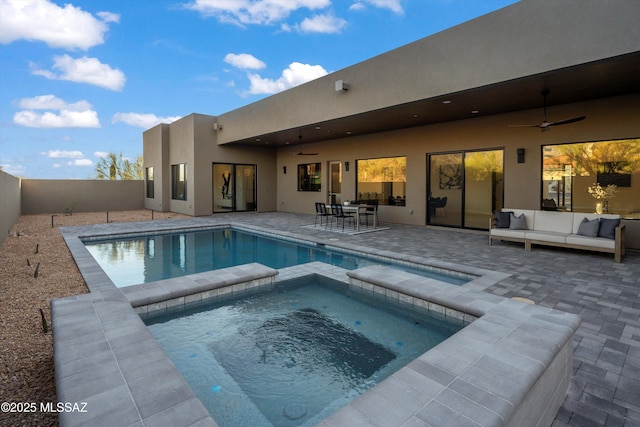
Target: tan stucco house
x,y
432,120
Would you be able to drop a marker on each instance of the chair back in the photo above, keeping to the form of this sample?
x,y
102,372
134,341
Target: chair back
x,y
336,209
443,202
319,207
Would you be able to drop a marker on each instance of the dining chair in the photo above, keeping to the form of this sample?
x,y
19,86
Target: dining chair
x,y
338,213
321,212
370,211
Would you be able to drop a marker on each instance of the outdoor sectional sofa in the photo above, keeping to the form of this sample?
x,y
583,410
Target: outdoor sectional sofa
x,y
593,232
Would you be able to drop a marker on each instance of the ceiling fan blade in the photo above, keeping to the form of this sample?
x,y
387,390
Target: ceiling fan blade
x,y
300,153
545,125
567,121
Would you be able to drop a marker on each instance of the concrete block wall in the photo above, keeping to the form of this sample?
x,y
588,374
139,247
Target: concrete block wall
x,y
64,195
10,202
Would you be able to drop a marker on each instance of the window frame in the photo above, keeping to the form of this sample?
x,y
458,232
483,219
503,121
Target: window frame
x,y
176,170
566,175
310,179
400,200
150,182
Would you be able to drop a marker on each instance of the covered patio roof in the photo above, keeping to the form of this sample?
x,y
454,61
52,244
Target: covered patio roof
x,y
600,79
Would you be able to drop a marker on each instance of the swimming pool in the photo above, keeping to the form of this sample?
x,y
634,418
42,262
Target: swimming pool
x,y
132,260
510,340
294,354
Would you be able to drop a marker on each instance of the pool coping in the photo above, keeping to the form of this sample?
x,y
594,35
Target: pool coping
x,y
98,339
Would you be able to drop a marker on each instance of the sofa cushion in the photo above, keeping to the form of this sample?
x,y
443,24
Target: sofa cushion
x,y
546,236
517,222
594,242
560,222
589,228
608,228
503,219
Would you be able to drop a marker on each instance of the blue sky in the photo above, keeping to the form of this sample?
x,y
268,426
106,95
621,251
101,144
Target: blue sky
x,y
81,78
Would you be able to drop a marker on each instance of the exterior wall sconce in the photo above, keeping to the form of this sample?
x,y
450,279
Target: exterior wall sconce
x,y
217,126
341,86
346,166
284,170
520,155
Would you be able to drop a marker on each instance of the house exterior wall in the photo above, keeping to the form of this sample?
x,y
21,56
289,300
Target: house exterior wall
x,y
517,41
155,143
607,119
192,140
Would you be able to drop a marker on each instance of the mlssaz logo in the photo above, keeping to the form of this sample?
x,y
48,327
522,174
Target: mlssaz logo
x,y
63,407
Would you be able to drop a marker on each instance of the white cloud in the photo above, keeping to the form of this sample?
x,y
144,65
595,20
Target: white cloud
x,y
51,102
64,115
63,119
244,12
100,154
62,154
144,121
109,17
83,70
392,5
294,75
65,27
322,24
80,162
77,158
244,61
13,169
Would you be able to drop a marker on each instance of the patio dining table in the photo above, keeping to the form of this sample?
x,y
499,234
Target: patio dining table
x,y
358,209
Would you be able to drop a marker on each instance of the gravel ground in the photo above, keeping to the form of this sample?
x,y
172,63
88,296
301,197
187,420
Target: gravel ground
x,y
35,267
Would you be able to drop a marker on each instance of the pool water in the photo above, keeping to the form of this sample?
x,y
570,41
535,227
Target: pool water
x,y
136,260
293,355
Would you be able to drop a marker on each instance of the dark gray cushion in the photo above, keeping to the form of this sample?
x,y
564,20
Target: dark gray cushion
x,y
517,222
589,228
608,228
503,219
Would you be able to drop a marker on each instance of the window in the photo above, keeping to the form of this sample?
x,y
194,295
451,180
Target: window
x,y
309,177
234,187
599,176
384,180
464,187
179,181
150,184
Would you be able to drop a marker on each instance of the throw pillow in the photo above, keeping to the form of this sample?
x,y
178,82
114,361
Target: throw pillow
x,y
589,228
517,222
503,219
608,228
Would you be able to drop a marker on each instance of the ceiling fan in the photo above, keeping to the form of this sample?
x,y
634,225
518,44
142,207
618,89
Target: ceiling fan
x,y
300,153
545,125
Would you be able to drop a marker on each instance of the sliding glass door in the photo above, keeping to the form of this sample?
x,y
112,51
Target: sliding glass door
x,y
444,201
234,187
464,188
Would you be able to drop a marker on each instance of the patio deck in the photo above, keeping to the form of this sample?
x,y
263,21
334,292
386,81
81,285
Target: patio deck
x,y
606,385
